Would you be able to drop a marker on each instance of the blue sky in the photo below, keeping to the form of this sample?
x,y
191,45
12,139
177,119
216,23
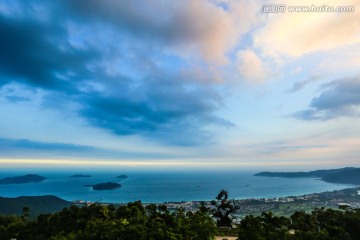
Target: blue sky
x,y
191,84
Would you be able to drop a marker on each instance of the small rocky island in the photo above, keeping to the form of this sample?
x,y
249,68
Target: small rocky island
x,y
122,177
104,186
29,178
80,176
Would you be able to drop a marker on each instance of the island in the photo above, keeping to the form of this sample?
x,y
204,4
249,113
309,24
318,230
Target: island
x,y
104,186
80,176
122,177
348,175
29,178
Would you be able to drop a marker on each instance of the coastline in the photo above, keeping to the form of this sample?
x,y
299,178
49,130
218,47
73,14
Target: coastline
x,y
284,206
182,189
166,187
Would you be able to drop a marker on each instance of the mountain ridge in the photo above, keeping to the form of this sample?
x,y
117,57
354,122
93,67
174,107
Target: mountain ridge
x,y
347,175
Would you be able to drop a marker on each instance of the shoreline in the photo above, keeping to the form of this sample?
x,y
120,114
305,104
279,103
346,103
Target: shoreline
x,y
333,199
284,206
278,198
173,187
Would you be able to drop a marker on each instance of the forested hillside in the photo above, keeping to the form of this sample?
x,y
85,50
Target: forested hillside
x,y
36,205
134,221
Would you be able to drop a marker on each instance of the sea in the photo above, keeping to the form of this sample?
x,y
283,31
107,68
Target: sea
x,y
159,187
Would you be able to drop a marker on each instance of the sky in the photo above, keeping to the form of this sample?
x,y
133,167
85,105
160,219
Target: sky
x,y
193,84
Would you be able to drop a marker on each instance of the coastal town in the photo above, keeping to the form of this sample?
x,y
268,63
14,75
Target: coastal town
x,y
281,206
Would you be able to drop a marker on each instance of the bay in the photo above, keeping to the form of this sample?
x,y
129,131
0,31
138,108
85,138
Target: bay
x,y
156,187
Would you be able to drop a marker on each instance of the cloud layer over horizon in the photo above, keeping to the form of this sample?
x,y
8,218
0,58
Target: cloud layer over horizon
x,y
165,76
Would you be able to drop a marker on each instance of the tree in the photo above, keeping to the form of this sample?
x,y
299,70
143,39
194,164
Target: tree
x,y
200,226
224,209
252,228
26,212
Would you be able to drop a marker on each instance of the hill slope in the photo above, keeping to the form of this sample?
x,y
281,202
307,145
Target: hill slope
x,y
36,204
350,176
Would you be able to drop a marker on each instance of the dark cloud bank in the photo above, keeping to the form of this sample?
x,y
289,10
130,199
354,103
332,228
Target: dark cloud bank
x,y
339,98
41,51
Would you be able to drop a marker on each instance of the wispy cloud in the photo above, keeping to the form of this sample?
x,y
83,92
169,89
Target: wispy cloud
x,y
297,86
28,148
9,145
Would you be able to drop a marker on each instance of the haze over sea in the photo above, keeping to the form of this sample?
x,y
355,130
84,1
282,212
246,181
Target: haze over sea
x,y
162,186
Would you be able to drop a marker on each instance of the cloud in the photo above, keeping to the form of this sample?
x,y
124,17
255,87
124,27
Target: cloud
x,y
343,59
16,93
276,149
36,53
250,66
340,98
17,99
294,34
297,86
184,27
8,145
25,147
158,108
113,62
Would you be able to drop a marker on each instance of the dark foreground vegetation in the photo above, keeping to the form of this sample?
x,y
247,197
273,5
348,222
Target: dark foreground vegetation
x,y
134,221
320,224
156,222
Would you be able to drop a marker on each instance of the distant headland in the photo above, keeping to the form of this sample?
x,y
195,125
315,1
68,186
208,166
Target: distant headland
x,y
22,179
104,186
348,175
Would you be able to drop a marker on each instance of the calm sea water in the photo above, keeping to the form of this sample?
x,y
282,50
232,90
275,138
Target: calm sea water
x,y
163,186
